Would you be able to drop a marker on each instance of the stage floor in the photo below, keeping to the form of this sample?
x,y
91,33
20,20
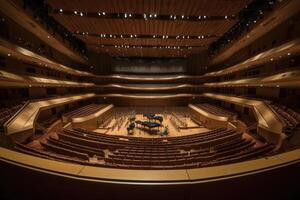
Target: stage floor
x,y
192,127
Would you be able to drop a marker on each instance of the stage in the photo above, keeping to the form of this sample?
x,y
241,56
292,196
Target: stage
x,y
139,131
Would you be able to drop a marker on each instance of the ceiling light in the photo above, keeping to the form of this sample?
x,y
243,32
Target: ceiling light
x,y
81,14
103,13
61,10
75,12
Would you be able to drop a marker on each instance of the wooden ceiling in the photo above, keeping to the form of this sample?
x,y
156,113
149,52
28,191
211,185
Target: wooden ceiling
x,y
212,27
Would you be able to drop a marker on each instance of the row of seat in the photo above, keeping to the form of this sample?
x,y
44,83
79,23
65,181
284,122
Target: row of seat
x,y
7,112
198,155
148,140
246,154
84,111
53,155
98,149
288,117
48,122
193,141
216,110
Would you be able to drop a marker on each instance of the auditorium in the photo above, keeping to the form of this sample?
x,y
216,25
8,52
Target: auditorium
x,y
149,99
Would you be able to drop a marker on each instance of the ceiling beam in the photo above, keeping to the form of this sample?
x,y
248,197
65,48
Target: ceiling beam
x,y
104,15
185,37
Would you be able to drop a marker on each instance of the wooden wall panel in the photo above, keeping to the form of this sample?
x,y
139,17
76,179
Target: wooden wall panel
x,y
176,7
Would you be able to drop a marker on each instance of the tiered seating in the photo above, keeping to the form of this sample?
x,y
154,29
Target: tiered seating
x,y
197,150
289,118
52,156
216,110
7,112
189,142
76,147
250,123
84,111
173,157
48,122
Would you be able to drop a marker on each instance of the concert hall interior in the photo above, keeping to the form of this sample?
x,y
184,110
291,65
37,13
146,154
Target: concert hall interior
x,y
149,99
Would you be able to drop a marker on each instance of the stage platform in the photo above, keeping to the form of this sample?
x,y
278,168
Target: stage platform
x,y
192,127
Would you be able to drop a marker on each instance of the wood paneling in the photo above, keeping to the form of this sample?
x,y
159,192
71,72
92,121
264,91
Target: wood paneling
x,y
146,52
132,26
144,27
91,40
175,7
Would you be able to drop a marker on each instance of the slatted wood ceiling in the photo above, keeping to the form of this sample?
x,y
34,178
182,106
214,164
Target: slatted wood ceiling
x,y
148,27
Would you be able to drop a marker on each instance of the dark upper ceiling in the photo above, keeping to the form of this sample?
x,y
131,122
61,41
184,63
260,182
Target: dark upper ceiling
x,y
147,28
